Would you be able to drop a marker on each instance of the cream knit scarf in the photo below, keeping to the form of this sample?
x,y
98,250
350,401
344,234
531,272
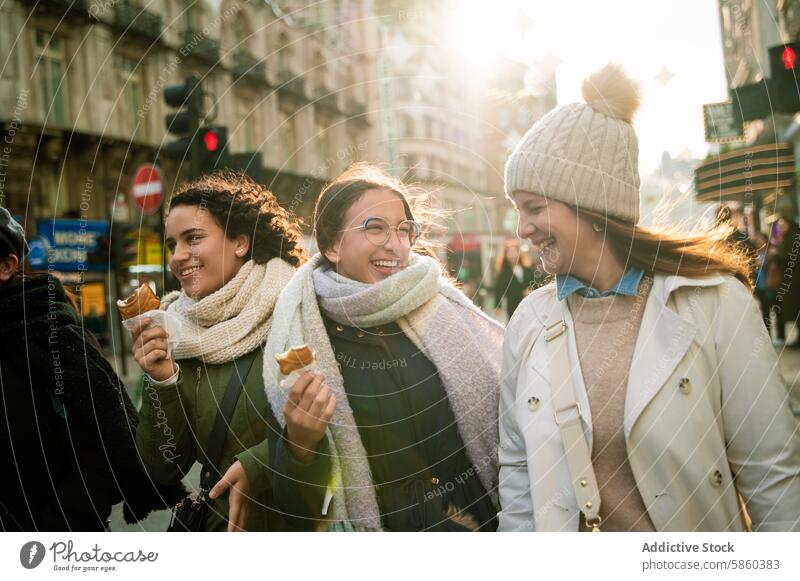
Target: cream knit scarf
x,y
463,343
232,321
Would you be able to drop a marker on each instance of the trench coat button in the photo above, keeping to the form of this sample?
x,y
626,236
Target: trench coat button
x,y
715,478
685,386
588,504
533,403
584,482
360,334
434,481
339,328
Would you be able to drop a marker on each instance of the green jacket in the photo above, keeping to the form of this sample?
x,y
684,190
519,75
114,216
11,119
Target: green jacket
x,y
175,423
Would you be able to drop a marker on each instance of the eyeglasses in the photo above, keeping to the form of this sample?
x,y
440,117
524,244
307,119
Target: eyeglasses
x,y
377,231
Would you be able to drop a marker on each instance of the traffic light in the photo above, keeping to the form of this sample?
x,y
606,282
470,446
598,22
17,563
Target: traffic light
x,y
188,99
784,62
211,144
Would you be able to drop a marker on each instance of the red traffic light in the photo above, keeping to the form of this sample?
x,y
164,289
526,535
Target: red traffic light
x,y
211,140
789,57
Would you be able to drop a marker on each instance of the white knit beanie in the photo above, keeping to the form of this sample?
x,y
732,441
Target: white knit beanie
x,y
585,155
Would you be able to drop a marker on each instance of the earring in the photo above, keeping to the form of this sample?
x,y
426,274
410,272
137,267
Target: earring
x,y
239,252
597,227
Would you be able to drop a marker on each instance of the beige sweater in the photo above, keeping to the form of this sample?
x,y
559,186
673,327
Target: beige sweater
x,y
606,329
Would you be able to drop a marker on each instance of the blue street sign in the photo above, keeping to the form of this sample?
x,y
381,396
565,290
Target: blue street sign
x,y
71,241
37,253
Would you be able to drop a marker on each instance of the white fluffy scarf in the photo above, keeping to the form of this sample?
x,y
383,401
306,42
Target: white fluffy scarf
x,y
232,321
463,343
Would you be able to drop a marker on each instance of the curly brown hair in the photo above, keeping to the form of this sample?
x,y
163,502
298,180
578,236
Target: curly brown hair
x,y
241,206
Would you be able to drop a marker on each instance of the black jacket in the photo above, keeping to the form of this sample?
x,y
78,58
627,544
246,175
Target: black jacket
x,y
422,476
67,426
508,286
789,253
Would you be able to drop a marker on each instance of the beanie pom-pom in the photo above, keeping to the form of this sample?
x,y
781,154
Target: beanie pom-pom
x,y
611,92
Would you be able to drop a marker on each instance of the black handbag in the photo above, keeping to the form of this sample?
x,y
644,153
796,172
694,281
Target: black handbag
x,y
189,515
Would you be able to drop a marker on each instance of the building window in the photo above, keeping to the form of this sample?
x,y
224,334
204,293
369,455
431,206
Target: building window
x,y
248,115
318,74
289,141
284,56
55,197
353,144
188,15
51,67
130,79
324,148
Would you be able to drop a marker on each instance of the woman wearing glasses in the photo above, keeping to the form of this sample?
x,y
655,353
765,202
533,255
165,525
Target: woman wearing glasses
x,y
413,364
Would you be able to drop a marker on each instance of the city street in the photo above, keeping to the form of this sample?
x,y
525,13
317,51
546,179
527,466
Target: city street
x,y
348,209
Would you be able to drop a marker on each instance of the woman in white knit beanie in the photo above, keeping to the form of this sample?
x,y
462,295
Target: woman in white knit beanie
x,y
640,390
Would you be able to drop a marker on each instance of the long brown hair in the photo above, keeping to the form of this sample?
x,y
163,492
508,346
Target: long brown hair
x,y
666,250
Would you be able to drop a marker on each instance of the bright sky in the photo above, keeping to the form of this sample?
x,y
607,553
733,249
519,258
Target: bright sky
x,y
673,48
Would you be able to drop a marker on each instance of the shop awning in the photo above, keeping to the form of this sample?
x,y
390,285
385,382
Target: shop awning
x,y
464,243
759,170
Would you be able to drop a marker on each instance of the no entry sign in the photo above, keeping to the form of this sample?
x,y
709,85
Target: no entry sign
x,y
148,188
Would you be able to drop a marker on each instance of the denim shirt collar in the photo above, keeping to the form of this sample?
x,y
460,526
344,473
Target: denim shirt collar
x,y
627,285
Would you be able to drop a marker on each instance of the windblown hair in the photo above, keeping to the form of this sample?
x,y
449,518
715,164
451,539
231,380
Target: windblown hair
x,y
241,206
666,250
346,189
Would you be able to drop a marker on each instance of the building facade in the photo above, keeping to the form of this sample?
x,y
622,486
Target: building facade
x,y
749,28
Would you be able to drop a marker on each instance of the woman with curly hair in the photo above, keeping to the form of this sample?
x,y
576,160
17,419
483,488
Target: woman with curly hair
x,y
233,249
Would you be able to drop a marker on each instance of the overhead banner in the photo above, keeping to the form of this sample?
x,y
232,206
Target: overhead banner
x,y
758,170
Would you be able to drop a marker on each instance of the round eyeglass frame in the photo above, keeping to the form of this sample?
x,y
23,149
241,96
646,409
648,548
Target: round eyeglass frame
x,y
417,227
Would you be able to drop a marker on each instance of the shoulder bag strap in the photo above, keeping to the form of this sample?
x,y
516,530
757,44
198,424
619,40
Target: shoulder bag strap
x,y
567,412
219,433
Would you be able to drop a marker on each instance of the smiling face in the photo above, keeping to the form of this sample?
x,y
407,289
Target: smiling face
x,y
354,255
564,241
202,257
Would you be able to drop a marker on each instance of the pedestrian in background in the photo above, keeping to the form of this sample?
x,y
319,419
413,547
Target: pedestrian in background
x,y
641,389
789,291
413,363
67,450
233,249
515,277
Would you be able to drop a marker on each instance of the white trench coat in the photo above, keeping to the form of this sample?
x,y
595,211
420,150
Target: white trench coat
x,y
706,414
